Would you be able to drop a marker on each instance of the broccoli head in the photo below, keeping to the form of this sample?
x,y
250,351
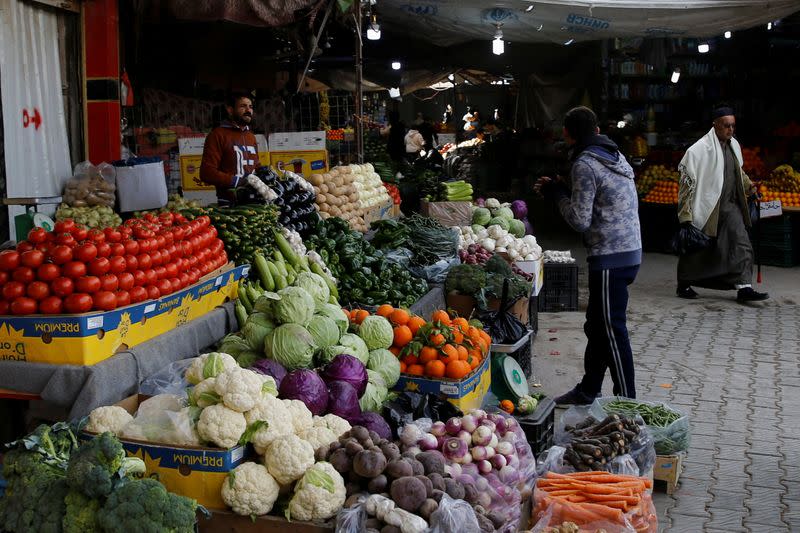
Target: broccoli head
x,y
498,265
465,279
99,464
144,506
34,498
80,513
53,444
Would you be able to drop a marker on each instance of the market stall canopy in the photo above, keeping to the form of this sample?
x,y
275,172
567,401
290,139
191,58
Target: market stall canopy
x,y
449,22
269,13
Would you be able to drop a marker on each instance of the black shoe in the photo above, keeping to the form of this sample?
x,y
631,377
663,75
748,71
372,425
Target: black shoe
x,y
747,294
574,397
686,293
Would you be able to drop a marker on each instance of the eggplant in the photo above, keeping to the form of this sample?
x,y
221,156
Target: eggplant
x,y
278,188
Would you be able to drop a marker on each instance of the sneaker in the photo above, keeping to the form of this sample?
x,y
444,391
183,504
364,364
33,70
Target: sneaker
x,y
574,397
747,294
686,293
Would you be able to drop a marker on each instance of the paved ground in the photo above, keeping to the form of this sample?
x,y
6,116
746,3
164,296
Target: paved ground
x,y
734,369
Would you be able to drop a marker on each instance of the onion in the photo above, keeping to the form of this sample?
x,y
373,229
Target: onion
x,y
465,436
488,424
428,442
479,414
482,484
469,423
501,427
509,437
490,452
479,453
513,460
511,423
482,436
453,426
505,448
440,442
464,479
484,467
484,499
453,469
498,461
414,449
493,442
438,429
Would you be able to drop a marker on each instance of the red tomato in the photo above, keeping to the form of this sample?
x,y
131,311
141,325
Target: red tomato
x,y
61,254
161,272
175,283
150,217
123,298
9,260
213,231
144,246
80,233
23,306
24,246
164,286
64,226
5,307
145,261
161,241
62,287
174,251
109,282
13,290
185,279
131,247
78,303
139,278
152,292
97,235
142,233
45,248
153,244
126,281
74,269
37,235
131,262
126,231
32,258
196,242
117,249
38,290
103,249
166,218
104,300
48,272
118,264
177,234
194,275
150,277
112,235
23,275
180,264
168,237
187,248
4,277
203,221
52,305
138,294
166,257
88,284
172,270
85,252
192,261
66,239
157,258
99,266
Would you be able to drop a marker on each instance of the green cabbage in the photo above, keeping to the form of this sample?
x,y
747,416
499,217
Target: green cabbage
x,y
499,221
296,306
504,212
476,228
255,330
324,330
355,346
517,228
233,345
481,216
314,285
376,332
335,313
291,345
375,394
386,364
248,357
326,355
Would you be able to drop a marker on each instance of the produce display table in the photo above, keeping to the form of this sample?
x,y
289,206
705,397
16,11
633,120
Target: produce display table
x,y
82,388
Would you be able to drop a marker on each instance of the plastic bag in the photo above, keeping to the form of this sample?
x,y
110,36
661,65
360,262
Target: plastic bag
x,y
91,186
409,406
351,519
168,380
164,419
502,325
435,273
667,440
454,516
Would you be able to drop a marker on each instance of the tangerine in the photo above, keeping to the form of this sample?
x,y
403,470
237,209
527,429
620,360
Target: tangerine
x,y
435,369
449,353
414,323
384,310
402,336
457,369
415,370
399,317
427,354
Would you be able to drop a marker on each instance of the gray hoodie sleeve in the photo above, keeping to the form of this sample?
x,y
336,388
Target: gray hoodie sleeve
x,y
577,210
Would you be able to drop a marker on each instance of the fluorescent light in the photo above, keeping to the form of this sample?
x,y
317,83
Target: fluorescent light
x,y
374,32
769,26
396,65
621,124
676,75
703,48
569,42
394,92
498,46
529,8
728,35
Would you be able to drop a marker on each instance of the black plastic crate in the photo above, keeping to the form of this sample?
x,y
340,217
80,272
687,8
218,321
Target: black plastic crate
x,y
539,426
560,288
533,315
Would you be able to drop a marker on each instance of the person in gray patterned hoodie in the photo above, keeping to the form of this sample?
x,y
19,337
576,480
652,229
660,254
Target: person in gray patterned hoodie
x,y
601,203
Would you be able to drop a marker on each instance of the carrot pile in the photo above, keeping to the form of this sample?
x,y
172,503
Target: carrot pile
x,y
596,497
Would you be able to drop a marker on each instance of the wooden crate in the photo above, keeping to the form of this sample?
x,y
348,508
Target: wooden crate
x,y
668,468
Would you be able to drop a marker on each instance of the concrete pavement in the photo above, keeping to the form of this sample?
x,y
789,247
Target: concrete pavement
x,y
734,369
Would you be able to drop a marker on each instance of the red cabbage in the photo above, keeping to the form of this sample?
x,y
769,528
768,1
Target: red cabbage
x,y
519,208
343,400
269,367
347,368
480,202
306,386
374,422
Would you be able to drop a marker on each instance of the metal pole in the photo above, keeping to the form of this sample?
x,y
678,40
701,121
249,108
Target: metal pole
x,y
358,128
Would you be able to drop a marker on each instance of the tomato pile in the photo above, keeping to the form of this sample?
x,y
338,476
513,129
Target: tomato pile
x,y
76,270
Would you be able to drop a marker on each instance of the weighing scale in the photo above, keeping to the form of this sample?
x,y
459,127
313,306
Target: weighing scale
x,y
31,218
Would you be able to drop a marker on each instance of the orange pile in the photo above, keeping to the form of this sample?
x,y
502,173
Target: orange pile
x,y
443,347
788,199
753,163
663,192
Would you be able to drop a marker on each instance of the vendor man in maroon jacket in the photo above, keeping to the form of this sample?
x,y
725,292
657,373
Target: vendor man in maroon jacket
x,y
230,152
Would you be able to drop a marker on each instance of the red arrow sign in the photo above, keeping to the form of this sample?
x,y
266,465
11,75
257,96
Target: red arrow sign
x,y
34,118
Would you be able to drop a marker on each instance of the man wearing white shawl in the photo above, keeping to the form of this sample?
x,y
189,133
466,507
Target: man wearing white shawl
x,y
712,197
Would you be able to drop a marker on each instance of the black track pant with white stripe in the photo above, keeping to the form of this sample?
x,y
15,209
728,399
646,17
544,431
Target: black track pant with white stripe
x,y
608,344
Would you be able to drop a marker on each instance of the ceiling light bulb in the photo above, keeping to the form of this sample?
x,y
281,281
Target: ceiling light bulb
x,y
728,35
529,8
676,75
703,48
374,32
394,92
769,26
451,77
621,124
498,46
396,65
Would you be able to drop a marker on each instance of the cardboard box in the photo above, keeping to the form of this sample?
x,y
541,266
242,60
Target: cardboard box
x,y
466,306
89,338
465,394
194,471
304,163
298,141
448,213
668,468
380,212
537,269
228,522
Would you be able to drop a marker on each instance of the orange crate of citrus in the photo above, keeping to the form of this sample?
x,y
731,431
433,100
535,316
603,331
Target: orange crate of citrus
x,y
663,192
444,347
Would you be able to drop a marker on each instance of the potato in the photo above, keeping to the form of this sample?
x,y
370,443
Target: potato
x,y
324,188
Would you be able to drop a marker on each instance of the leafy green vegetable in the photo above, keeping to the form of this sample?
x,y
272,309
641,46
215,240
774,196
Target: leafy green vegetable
x,y
314,285
376,332
499,221
291,345
481,216
335,313
355,346
256,329
386,364
324,330
296,306
465,279
375,394
145,505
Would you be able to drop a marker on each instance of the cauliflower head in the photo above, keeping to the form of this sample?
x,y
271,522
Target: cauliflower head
x,y
302,419
109,418
271,410
239,388
209,365
204,394
250,490
318,436
335,423
319,494
220,425
287,459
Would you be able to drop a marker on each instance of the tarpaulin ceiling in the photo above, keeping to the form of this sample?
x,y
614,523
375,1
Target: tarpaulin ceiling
x,y
449,22
270,13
